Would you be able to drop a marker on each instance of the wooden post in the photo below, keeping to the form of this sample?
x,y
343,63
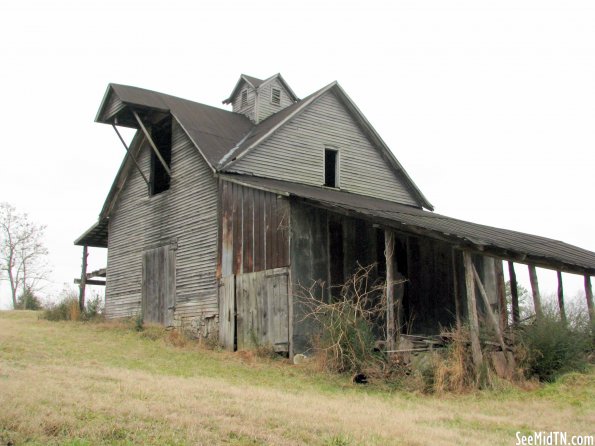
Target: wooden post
x,y
589,296
514,293
486,302
535,290
472,312
561,297
501,292
83,283
389,253
455,286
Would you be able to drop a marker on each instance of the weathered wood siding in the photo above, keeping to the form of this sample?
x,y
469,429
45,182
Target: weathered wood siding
x,y
249,109
185,215
113,106
227,312
265,107
255,230
296,153
159,284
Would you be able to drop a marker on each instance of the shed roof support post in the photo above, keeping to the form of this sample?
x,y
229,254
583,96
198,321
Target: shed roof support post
x,y
514,293
83,282
561,297
389,253
472,312
501,292
486,302
151,143
535,290
455,287
131,155
589,296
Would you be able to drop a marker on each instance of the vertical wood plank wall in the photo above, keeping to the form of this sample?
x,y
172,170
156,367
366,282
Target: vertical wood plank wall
x,y
296,153
255,230
186,214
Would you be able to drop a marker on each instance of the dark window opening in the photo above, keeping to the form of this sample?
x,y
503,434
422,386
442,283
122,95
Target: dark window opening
x,y
161,135
336,257
330,167
244,102
276,96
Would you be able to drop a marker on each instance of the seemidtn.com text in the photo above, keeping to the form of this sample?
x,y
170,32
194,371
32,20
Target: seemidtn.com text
x,y
553,439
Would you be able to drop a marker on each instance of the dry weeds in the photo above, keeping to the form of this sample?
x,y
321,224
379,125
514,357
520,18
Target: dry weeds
x,y
58,385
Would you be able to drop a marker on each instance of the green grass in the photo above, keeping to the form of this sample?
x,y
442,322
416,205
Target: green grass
x,y
72,383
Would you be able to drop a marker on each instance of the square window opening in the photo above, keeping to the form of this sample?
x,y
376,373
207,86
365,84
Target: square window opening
x,y
330,167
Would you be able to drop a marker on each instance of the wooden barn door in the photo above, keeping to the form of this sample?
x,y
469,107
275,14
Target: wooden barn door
x,y
159,285
262,307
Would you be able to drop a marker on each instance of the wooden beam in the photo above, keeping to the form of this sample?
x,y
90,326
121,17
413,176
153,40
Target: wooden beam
x,y
131,156
501,293
83,279
561,297
455,286
389,254
472,312
514,293
589,296
535,290
90,282
152,144
486,302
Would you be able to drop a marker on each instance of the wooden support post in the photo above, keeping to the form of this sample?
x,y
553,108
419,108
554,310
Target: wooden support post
x,y
455,286
589,296
561,297
389,253
501,293
83,282
486,302
151,143
472,312
514,293
535,290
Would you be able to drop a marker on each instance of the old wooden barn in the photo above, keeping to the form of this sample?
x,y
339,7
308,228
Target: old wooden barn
x,y
217,218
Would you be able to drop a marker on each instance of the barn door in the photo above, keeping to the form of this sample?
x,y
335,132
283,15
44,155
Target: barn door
x,y
227,312
262,307
159,285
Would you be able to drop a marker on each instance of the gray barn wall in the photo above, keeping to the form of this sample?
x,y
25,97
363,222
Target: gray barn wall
x,y
296,153
186,214
249,109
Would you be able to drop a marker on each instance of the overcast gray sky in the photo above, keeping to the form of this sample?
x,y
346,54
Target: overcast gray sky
x,y
489,105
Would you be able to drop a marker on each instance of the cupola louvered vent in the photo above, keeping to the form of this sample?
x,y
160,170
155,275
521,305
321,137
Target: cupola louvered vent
x,y
244,98
276,96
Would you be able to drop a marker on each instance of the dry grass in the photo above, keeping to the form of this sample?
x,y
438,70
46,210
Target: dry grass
x,y
83,384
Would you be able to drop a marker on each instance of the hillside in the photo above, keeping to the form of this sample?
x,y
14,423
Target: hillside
x,y
87,384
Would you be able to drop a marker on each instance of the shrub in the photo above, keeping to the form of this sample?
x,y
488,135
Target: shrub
x,y
549,347
28,301
63,310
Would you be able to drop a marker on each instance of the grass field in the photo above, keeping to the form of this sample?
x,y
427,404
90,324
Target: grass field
x,y
84,384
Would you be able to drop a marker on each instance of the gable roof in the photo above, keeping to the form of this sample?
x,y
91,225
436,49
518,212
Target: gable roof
x,y
504,243
273,123
212,130
256,83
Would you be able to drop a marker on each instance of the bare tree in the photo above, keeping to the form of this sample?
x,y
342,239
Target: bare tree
x,y
23,255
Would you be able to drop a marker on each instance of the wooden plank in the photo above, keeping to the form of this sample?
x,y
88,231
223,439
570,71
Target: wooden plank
x,y
389,253
151,143
514,293
83,279
535,290
472,312
501,293
227,312
589,297
269,222
237,229
241,309
90,282
486,301
248,230
561,297
259,252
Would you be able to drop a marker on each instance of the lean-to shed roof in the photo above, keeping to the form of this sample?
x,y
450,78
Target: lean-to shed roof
x,y
505,243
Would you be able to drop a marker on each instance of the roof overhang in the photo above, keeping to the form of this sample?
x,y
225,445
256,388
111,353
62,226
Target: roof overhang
x,y
95,236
